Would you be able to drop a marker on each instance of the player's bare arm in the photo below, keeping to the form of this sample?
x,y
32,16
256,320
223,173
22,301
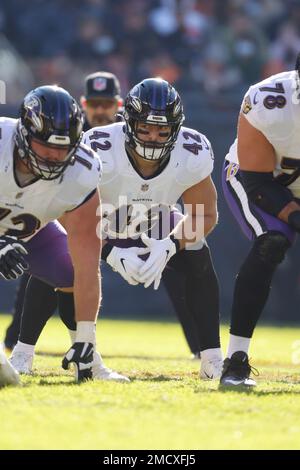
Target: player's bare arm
x,y
257,162
199,222
254,150
84,246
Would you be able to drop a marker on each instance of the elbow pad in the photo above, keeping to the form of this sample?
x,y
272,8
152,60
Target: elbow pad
x,y
265,192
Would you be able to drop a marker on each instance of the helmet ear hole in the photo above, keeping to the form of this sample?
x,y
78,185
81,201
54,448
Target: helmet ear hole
x,y
153,101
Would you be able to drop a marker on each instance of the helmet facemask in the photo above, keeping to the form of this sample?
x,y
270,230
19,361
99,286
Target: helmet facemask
x,y
149,150
51,117
154,102
39,166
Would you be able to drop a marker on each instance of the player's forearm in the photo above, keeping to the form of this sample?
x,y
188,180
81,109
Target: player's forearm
x,y
85,254
210,221
194,228
285,213
87,292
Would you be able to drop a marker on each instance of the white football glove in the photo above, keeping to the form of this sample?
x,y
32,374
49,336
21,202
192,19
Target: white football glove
x,y
126,262
160,253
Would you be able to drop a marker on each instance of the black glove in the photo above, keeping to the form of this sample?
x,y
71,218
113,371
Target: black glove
x,y
12,262
82,355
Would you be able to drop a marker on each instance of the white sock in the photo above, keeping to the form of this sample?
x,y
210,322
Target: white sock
x,y
213,353
24,348
86,332
238,343
72,334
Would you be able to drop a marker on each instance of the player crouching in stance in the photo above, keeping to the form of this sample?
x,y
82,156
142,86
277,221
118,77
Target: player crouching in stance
x,y
149,162
46,173
262,187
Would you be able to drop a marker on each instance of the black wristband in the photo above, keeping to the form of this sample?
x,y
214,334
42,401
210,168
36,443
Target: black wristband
x,y
294,220
106,251
176,241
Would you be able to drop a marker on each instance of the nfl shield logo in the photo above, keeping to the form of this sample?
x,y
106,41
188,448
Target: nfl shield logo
x,y
99,84
145,187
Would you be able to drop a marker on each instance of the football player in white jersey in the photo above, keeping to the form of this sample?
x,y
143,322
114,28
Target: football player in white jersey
x,y
100,103
149,162
262,187
46,173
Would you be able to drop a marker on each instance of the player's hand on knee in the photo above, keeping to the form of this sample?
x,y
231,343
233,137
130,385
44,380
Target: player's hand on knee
x,y
81,355
12,261
127,262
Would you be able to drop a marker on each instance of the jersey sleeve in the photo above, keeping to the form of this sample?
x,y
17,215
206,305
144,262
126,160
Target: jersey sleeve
x,y
100,138
108,143
85,138
83,180
198,158
7,129
264,106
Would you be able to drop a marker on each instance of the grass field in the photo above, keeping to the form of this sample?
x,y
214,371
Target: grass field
x,y
165,406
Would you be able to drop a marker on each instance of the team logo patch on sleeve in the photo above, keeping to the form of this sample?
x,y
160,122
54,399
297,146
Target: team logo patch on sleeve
x,y
247,105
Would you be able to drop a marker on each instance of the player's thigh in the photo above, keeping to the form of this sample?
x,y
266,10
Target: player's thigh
x,y
49,257
252,220
187,262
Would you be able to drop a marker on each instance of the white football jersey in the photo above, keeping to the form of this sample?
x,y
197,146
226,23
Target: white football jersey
x,y
273,107
191,161
25,210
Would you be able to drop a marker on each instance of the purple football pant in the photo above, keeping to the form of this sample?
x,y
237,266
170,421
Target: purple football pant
x,y
252,220
48,256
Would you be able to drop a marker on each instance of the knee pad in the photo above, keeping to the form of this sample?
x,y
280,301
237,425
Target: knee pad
x,y
272,247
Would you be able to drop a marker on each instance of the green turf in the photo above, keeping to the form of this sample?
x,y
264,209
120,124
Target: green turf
x,y
165,406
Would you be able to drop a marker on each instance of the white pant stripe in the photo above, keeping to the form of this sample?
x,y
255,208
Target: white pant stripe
x,y
243,198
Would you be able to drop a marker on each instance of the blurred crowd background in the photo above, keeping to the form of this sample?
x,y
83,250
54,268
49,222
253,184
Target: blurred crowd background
x,y
214,46
211,50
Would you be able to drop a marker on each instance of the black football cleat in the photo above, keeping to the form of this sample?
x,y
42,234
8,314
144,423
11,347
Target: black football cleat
x,y
236,372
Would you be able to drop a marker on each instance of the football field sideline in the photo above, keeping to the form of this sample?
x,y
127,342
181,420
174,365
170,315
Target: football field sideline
x,y
165,406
